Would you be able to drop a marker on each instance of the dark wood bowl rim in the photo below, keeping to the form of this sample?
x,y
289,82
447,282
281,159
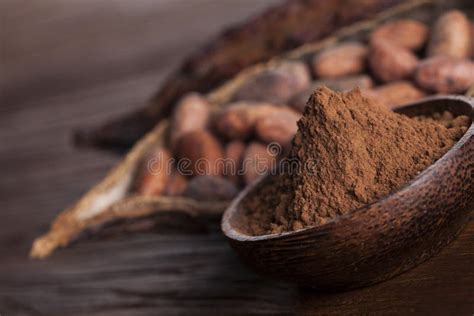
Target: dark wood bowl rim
x,y
234,234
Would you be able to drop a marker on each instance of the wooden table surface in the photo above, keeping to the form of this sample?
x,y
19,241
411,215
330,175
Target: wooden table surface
x,y
66,64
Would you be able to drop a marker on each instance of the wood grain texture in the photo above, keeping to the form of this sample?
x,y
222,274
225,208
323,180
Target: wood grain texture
x,y
58,71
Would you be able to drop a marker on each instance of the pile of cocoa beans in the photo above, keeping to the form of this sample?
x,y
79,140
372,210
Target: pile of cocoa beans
x,y
215,152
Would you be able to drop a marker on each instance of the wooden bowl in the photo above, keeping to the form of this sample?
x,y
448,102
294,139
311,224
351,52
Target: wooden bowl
x,y
380,240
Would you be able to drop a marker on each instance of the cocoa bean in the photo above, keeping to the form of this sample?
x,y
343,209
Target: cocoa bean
x,y
153,174
405,33
389,62
342,60
279,127
210,188
444,74
275,85
450,35
199,153
258,160
190,114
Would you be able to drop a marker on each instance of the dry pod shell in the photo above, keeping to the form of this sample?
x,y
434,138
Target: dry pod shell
x,y
342,60
279,127
298,102
395,93
409,34
451,35
389,62
199,153
154,173
445,74
190,114
276,85
210,188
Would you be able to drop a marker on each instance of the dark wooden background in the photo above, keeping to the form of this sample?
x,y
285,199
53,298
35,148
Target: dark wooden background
x,y
66,64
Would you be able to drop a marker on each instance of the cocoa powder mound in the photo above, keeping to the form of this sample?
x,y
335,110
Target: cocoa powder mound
x,y
351,151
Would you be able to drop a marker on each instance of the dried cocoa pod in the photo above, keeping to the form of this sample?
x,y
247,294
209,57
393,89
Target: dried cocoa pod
x,y
199,153
233,153
405,33
191,113
237,121
67,227
176,184
444,74
154,173
298,102
275,85
279,127
389,62
258,160
210,188
451,35
342,60
395,93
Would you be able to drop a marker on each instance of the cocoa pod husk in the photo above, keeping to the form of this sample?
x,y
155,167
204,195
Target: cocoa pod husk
x,y
65,228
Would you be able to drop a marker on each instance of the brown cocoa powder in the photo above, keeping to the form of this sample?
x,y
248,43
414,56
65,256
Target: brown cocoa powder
x,y
360,150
